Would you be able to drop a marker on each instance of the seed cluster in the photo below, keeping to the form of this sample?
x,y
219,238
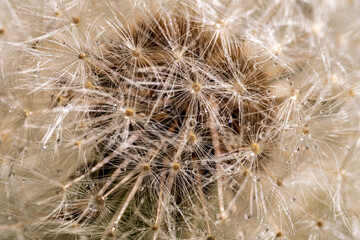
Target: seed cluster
x,y
200,113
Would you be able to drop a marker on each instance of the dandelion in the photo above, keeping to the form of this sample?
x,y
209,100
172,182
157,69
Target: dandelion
x,y
179,119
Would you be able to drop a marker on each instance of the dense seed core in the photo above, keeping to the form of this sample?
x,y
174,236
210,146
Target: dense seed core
x,y
174,100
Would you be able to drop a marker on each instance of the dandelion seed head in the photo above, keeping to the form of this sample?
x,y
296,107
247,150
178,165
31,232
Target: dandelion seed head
x,y
176,119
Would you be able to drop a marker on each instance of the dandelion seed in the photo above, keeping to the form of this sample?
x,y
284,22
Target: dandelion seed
x,y
255,148
136,53
319,224
146,168
196,87
305,130
129,113
82,55
279,235
76,20
295,94
88,85
220,24
179,54
176,166
352,93
316,28
191,138
334,78
277,49
238,88
111,234
27,113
